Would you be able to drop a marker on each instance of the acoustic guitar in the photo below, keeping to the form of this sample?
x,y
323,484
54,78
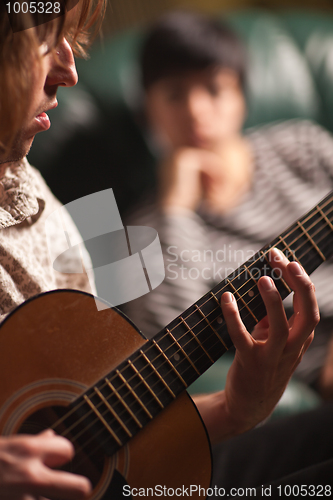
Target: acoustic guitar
x,y
121,399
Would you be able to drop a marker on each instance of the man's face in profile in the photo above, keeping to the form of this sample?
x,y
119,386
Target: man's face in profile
x,y
52,69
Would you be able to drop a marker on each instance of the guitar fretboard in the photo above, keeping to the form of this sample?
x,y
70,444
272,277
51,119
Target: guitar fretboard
x,y
127,399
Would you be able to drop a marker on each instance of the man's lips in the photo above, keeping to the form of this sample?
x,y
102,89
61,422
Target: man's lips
x,y
43,120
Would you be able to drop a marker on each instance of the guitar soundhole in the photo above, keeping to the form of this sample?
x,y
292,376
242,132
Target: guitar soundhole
x,y
89,458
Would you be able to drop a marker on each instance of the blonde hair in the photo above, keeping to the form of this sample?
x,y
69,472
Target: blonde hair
x,y
19,51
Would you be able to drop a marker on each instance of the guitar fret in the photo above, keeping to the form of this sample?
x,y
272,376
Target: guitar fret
x,y
289,249
215,298
123,402
324,216
134,394
253,279
251,291
311,241
102,419
326,206
168,360
158,374
210,325
183,352
115,415
243,301
264,254
313,223
144,381
196,338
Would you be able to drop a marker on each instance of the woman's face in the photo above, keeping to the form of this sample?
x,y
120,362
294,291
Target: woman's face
x,y
197,109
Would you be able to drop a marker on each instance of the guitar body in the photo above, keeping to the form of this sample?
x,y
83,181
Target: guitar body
x,y
56,345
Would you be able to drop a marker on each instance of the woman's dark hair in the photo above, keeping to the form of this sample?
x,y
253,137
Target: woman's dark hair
x,y
183,41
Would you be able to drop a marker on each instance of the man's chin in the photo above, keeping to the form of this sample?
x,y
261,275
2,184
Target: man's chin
x,y
18,151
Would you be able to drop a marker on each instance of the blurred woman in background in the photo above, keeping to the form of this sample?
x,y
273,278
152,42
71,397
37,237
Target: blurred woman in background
x,y
222,193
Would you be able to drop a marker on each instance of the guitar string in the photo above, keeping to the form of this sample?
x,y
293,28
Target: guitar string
x,y
236,299
200,320
150,362
96,448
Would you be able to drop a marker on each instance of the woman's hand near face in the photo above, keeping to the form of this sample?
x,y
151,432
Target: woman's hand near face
x,y
219,178
180,182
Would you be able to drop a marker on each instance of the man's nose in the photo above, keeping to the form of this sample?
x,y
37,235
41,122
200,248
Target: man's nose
x,y
63,70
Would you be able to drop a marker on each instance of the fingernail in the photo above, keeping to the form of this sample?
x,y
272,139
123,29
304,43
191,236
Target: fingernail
x,y
277,255
295,269
266,283
227,297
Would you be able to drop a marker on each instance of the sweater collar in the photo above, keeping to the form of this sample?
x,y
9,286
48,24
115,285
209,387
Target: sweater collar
x,y
20,196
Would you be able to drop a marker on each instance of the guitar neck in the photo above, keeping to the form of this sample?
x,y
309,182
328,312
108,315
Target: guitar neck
x,y
199,335
157,373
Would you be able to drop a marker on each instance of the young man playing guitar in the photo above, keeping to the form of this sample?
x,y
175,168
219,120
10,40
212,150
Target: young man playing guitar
x,y
34,63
